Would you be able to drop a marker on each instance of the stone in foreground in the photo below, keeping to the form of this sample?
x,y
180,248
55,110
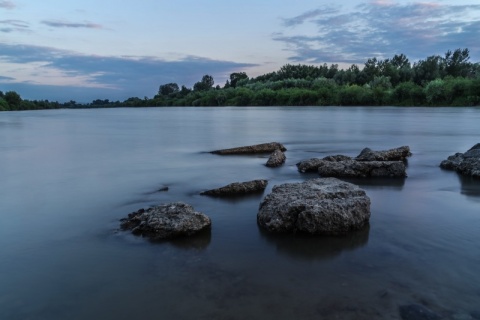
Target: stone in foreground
x,y
467,163
276,159
319,206
396,154
238,188
166,221
362,169
258,148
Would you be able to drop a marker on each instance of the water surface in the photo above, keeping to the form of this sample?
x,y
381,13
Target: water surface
x,y
68,176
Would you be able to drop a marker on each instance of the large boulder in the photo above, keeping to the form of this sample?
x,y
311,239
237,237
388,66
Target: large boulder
x,y
361,169
238,188
396,154
467,163
166,221
276,159
311,165
317,206
258,148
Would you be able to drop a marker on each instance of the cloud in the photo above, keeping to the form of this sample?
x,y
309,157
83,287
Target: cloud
x,y
117,77
300,19
64,24
7,5
381,28
5,79
8,26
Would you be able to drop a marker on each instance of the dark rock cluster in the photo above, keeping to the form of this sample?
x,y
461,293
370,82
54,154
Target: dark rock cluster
x,y
467,163
369,163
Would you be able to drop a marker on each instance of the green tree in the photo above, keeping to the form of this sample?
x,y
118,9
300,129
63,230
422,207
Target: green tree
x,y
456,63
428,70
3,105
435,92
167,89
13,99
371,69
353,95
408,94
236,77
205,84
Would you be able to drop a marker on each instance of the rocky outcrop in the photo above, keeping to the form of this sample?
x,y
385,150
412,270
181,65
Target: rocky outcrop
x,y
311,165
238,188
276,159
361,169
166,221
258,148
396,154
467,163
317,206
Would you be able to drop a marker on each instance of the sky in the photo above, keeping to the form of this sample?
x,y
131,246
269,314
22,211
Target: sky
x,y
84,50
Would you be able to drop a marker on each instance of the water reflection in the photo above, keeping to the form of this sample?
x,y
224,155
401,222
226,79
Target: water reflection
x,y
378,182
470,186
199,241
307,247
237,198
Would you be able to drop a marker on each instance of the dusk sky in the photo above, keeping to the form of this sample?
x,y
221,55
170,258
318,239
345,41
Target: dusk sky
x,y
110,49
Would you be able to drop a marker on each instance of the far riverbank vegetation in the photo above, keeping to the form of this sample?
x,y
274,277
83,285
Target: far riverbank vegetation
x,y
449,80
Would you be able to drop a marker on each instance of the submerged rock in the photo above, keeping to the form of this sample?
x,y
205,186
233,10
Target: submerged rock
x,y
396,154
258,148
238,188
317,206
417,312
361,169
467,163
166,221
276,159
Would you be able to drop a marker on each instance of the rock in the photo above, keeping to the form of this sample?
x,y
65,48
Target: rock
x,y
238,188
361,169
338,157
317,206
467,163
166,221
475,314
417,312
277,158
258,148
312,165
396,154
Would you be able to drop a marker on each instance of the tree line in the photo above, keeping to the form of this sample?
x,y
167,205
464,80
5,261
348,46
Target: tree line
x,y
448,80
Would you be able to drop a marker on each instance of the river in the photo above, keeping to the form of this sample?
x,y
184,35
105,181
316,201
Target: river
x,y
68,176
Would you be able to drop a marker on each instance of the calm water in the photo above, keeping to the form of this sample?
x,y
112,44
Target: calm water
x,y
68,176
